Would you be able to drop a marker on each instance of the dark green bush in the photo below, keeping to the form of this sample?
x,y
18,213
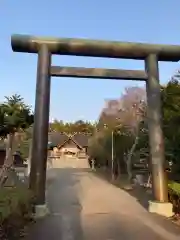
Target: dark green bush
x,y
174,196
16,208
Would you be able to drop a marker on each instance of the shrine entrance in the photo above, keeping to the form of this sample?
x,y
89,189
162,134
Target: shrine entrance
x,y
150,53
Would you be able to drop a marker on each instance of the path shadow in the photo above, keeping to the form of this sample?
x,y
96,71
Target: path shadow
x,y
64,220
143,196
114,227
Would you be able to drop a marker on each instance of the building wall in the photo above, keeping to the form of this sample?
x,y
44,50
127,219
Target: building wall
x,y
2,157
58,157
68,147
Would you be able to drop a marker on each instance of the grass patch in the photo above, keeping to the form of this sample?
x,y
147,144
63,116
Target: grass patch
x,y
16,208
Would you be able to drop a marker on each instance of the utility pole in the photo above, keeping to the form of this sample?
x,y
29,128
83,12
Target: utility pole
x,y
112,156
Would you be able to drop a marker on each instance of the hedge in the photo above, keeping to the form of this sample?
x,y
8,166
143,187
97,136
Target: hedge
x,y
174,195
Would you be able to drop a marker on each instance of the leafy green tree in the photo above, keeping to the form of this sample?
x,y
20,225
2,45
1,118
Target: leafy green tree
x,y
15,116
171,120
79,126
170,94
25,143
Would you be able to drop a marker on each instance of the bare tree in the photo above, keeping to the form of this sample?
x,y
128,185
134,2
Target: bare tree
x,y
127,111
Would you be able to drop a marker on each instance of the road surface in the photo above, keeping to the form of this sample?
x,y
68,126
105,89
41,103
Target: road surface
x,y
85,207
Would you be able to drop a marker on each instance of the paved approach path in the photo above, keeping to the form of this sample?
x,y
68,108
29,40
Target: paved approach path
x,y
85,207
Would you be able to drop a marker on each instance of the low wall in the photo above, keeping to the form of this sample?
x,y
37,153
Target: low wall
x,y
67,162
22,171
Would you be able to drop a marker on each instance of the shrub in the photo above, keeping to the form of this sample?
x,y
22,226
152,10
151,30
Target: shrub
x,y
16,208
174,196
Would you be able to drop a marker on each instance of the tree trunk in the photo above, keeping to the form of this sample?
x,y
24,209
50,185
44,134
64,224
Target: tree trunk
x,y
8,162
129,159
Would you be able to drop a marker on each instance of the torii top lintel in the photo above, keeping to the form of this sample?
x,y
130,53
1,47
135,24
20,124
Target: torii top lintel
x,y
95,48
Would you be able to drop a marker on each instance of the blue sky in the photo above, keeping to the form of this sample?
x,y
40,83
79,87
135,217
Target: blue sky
x,y
155,21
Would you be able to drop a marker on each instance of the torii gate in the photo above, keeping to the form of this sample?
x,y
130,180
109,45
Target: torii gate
x,y
150,53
